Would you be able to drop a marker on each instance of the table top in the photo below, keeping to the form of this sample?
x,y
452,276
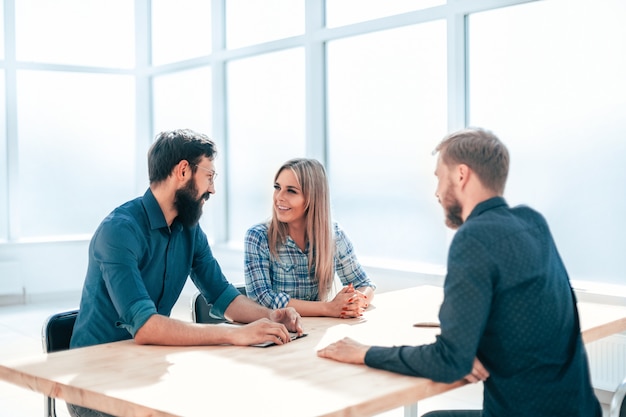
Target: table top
x,y
126,379
600,320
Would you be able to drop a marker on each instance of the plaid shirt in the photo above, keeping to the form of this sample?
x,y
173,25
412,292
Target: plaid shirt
x,y
272,282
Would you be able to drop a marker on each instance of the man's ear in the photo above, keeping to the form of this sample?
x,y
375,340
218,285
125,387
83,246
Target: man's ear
x,y
462,173
182,170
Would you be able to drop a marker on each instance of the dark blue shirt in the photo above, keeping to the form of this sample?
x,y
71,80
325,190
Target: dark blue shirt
x,y
138,267
507,301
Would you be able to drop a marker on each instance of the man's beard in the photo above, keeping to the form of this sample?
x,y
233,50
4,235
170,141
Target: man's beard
x,y
453,210
189,207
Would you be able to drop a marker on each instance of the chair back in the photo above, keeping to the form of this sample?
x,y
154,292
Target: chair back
x,y
201,310
618,403
56,333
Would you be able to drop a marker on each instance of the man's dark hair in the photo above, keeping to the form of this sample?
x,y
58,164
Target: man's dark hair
x,y
174,146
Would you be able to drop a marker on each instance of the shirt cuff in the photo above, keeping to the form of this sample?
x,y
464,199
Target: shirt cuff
x,y
139,314
224,300
377,357
280,301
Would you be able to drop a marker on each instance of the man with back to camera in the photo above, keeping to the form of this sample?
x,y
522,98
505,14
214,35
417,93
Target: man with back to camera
x,y
142,253
507,299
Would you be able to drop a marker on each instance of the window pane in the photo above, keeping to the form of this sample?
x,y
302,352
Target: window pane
x,y
180,33
4,192
182,100
345,12
387,112
557,97
76,155
250,22
2,30
76,32
266,128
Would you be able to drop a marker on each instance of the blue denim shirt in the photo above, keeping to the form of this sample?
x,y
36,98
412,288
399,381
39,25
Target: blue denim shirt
x,y
138,267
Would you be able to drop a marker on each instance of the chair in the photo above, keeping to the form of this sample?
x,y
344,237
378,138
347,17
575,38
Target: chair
x,y
201,310
55,336
618,403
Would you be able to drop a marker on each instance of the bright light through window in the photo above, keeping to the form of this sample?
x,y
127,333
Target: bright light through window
x,y
387,111
556,95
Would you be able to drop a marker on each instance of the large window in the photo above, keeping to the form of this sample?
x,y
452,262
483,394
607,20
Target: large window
x,y
345,12
556,95
265,129
386,109
96,33
70,116
180,32
250,22
70,174
4,173
367,87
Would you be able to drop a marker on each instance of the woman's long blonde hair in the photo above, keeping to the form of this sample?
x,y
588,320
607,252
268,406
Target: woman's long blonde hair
x,y
311,177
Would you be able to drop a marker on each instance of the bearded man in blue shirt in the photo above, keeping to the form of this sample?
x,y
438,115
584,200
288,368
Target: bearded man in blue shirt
x,y
509,314
142,254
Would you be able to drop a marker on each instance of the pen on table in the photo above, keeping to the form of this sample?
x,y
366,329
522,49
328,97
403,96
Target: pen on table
x,y
426,324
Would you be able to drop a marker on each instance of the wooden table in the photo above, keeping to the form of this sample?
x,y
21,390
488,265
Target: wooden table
x,y
126,379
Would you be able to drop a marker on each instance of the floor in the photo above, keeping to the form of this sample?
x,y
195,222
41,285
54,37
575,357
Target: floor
x,y
20,335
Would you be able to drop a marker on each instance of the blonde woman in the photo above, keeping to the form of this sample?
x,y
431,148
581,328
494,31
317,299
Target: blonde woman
x,y
292,259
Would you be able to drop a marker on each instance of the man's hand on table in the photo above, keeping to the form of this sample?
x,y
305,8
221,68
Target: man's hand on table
x,y
289,317
345,350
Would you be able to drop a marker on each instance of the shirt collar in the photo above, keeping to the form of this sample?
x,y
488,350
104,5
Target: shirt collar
x,y
153,210
291,243
486,205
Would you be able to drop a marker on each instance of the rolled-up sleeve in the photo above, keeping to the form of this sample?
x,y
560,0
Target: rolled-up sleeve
x,y
117,250
137,315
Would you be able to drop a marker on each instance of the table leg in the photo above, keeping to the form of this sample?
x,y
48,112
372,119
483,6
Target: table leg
x,y
410,410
